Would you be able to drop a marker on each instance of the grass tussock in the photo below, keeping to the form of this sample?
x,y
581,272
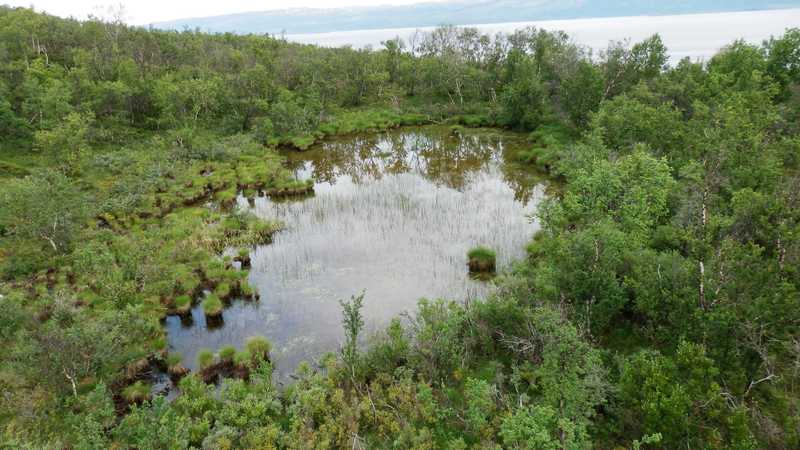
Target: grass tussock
x,y
205,358
227,353
212,306
482,259
138,392
183,305
258,346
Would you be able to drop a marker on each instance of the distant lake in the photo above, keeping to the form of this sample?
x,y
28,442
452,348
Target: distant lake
x,y
698,36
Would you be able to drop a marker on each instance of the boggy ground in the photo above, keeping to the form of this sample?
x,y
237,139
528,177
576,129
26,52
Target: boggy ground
x,y
164,216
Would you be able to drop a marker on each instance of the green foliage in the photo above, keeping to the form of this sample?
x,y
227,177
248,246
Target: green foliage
x,y
539,427
674,222
662,394
783,60
45,209
92,415
353,323
154,426
633,190
67,141
524,98
11,125
479,396
582,93
62,352
625,67
628,120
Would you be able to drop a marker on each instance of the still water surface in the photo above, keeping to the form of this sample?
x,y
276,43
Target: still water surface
x,y
697,36
393,215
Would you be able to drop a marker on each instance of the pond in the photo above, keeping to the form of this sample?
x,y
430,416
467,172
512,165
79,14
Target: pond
x,y
393,215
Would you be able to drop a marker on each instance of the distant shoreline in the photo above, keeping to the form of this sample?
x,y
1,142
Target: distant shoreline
x,y
697,36
490,24
422,15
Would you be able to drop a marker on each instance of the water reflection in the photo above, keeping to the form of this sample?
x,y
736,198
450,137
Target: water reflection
x,y
393,214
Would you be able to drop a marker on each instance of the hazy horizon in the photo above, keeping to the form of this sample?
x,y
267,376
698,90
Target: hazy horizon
x,y
320,16
454,12
698,36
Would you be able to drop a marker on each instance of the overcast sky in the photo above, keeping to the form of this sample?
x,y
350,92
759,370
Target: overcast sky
x,y
141,12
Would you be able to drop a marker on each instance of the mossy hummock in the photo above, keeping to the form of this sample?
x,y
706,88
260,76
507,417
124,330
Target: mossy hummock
x,y
205,358
290,188
138,392
482,260
227,353
258,347
243,257
212,306
183,305
175,367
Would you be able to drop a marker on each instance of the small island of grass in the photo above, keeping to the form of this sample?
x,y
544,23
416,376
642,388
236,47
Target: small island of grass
x,y
212,306
183,305
481,260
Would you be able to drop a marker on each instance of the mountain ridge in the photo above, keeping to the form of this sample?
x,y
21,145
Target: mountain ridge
x,y
462,12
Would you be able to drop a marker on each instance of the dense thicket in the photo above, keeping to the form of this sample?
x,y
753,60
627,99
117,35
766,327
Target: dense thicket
x,y
658,307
